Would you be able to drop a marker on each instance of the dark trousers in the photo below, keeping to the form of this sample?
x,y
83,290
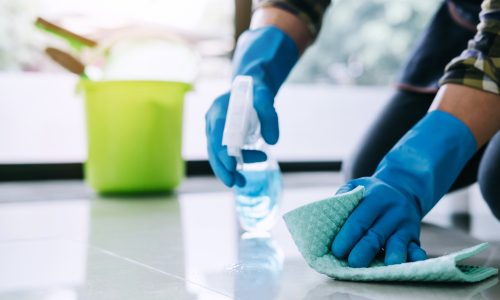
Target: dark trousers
x,y
404,110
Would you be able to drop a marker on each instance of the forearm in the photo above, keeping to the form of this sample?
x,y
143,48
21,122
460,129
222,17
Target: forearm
x,y
477,109
289,23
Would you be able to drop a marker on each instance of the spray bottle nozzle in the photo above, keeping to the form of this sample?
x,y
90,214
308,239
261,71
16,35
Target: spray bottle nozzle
x,y
241,118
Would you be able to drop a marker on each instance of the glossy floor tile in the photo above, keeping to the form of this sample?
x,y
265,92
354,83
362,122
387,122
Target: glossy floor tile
x,y
188,245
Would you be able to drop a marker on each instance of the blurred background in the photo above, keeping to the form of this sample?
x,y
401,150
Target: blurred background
x,y
363,56
59,239
341,81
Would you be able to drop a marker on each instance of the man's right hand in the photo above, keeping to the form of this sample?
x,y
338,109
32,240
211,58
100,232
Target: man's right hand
x,y
266,54
223,165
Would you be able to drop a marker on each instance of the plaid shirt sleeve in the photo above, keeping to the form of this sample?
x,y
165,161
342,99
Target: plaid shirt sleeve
x,y
478,65
310,11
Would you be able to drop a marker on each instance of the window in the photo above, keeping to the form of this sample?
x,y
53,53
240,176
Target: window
x,y
361,47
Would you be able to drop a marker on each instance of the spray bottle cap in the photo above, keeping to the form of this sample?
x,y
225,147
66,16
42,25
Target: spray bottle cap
x,y
241,119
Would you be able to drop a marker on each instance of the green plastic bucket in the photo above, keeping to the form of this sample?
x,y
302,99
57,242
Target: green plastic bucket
x,y
134,134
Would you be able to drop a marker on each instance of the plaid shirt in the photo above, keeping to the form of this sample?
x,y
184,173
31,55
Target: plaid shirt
x,y
476,67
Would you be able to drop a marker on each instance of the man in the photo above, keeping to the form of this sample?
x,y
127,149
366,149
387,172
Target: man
x,y
412,155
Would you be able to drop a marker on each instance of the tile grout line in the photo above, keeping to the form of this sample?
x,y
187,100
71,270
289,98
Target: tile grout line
x,y
135,262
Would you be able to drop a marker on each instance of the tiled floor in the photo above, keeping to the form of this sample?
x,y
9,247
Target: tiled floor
x,y
60,241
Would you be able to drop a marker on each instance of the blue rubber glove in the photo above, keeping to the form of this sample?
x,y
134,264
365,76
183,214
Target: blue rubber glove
x,y
408,182
267,54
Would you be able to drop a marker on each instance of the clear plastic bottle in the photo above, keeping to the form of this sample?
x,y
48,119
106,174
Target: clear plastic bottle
x,y
258,201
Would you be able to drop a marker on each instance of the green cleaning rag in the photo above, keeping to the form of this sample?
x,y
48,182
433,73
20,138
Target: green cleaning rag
x,y
314,226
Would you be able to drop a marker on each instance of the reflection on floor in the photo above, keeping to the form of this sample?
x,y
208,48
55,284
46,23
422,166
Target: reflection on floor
x,y
60,241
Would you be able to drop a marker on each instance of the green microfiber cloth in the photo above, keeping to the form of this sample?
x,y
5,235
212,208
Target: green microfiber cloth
x,y
315,225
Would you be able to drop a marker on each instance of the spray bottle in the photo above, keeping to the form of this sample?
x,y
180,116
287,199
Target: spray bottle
x,y
257,202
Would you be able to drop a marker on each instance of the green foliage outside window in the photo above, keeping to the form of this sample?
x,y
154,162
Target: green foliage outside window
x,y
364,42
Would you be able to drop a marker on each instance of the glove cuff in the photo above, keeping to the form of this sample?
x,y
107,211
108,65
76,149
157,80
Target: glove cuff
x,y
429,158
267,54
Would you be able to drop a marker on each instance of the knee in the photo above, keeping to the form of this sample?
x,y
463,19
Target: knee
x,y
489,184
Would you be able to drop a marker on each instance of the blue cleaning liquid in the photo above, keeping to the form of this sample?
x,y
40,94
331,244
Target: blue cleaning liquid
x,y
257,202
